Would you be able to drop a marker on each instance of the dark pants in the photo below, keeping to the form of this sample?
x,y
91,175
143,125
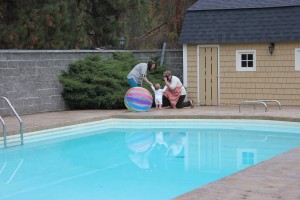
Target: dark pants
x,y
180,102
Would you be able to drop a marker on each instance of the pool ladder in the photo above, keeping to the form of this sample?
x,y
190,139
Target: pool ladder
x,y
10,168
260,102
4,124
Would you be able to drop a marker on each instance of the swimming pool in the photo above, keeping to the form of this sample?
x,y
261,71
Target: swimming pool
x,y
137,159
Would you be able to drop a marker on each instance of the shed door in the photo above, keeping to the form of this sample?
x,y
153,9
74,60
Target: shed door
x,y
208,76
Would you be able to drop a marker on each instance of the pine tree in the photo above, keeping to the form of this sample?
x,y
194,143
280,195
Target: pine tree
x,y
45,24
69,24
102,20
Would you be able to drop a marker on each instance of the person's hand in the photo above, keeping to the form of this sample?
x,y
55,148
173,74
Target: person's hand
x,y
150,84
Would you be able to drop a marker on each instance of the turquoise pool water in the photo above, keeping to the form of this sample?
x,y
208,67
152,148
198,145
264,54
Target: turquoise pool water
x,y
137,159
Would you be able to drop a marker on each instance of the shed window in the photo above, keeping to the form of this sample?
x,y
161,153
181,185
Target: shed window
x,y
297,59
246,158
245,60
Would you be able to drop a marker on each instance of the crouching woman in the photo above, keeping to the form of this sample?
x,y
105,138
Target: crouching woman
x,y
175,95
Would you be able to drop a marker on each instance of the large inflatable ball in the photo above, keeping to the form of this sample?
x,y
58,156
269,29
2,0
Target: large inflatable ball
x,y
139,141
138,99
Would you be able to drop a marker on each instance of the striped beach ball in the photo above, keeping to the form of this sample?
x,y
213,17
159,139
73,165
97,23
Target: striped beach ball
x,y
138,99
139,141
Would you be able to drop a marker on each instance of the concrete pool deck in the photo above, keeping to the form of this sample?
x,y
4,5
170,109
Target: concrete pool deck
x,y
277,178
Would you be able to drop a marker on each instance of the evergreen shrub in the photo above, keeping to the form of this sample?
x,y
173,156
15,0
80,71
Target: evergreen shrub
x,y
98,82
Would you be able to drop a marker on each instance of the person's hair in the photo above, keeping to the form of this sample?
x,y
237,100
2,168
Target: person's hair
x,y
167,73
150,63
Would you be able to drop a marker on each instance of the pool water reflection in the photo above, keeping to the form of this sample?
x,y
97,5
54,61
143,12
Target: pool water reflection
x,y
149,161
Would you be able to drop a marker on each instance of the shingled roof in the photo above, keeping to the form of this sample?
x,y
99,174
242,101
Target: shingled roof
x,y
235,21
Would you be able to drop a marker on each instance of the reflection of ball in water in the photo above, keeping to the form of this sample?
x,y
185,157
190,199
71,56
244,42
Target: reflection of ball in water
x,y
138,99
139,142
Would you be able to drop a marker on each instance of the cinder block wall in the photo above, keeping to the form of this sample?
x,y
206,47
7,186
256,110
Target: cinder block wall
x,y
29,78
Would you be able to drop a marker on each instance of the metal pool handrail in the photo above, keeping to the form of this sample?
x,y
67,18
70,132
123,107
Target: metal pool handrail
x,y
4,131
268,100
19,119
253,103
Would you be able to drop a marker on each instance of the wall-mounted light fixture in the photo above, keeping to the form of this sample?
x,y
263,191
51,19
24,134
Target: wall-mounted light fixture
x,y
271,47
122,41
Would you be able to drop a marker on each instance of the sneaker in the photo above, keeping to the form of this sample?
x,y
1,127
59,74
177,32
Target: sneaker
x,y
192,103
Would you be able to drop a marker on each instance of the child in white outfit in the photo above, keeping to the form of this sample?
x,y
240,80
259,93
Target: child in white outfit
x,y
158,94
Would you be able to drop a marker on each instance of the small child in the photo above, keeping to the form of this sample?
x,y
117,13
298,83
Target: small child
x,y
159,140
158,95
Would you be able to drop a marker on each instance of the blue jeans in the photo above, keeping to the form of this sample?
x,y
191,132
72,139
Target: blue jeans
x,y
132,83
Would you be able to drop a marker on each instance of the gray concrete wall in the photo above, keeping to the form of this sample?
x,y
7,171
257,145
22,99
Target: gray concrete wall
x,y
29,78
